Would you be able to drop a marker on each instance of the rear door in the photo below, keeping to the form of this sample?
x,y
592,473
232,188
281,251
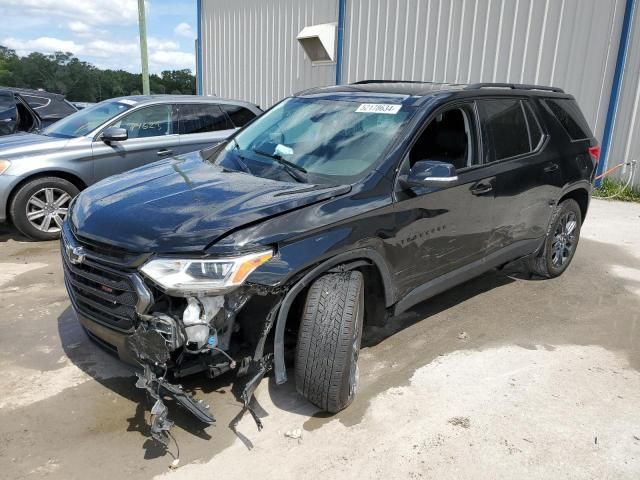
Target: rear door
x,y
202,125
152,136
8,113
527,174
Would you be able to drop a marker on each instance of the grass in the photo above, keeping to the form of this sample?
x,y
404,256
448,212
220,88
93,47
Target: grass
x,y
611,187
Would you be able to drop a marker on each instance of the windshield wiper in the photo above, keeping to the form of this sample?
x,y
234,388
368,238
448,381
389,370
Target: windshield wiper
x,y
296,172
239,160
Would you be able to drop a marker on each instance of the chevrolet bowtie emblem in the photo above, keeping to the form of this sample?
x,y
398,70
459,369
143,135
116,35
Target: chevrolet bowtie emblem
x,y
75,254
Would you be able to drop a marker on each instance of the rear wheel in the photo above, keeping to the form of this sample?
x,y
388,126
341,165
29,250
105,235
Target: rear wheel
x,y
561,241
326,367
40,206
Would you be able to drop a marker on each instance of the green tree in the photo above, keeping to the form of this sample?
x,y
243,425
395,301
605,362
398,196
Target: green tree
x,y
62,72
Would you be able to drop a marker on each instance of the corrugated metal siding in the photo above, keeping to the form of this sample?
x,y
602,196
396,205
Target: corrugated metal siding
x,y
567,43
250,51
625,144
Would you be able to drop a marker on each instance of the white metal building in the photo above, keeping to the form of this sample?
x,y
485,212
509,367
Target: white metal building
x,y
263,50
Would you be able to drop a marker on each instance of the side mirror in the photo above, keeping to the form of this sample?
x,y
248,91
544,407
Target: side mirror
x,y
430,173
114,134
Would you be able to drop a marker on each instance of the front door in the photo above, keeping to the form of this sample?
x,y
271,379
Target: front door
x,y
444,228
152,136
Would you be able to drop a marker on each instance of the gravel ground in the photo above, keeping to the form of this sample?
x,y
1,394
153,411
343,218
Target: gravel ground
x,y
502,377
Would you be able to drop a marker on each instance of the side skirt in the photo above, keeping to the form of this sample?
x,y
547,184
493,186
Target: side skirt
x,y
467,272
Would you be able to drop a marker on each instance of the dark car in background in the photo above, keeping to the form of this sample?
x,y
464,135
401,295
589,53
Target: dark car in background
x,y
26,110
338,206
41,172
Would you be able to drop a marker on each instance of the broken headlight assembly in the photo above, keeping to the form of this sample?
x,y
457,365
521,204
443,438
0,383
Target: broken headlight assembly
x,y
199,276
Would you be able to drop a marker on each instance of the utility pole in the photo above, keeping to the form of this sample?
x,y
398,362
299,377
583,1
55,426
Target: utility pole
x,y
142,24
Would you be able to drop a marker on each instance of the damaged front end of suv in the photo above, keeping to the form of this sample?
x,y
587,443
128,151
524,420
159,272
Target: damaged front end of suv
x,y
194,264
173,317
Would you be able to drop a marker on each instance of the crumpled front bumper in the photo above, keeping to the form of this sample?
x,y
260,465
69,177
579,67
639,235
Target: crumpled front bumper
x,y
111,340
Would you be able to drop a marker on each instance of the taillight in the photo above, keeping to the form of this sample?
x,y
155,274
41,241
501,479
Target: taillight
x,y
595,153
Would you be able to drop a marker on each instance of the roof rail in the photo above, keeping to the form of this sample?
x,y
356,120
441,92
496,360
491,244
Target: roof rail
x,y
364,82
514,86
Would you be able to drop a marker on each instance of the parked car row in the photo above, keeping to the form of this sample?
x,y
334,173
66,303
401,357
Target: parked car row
x,y
40,172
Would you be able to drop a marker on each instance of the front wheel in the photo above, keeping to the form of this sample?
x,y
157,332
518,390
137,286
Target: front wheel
x,y
326,367
561,241
40,206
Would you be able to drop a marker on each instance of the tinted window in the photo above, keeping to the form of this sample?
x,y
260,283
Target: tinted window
x,y
506,126
447,138
36,102
202,118
240,116
569,115
152,121
534,126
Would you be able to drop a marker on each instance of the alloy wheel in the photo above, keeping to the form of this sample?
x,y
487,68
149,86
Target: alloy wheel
x,y
564,239
47,208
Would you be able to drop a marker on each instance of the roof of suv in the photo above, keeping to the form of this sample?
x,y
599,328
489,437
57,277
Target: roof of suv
x,y
424,89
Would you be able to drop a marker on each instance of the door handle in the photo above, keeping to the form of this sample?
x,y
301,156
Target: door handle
x,y
165,152
481,188
551,168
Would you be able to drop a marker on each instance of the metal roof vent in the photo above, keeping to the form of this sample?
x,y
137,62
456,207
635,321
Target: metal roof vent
x,y
319,43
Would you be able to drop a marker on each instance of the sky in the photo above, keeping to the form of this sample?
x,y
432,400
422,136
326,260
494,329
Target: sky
x,y
103,32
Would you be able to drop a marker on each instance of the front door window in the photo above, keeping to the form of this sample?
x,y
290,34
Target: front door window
x,y
155,121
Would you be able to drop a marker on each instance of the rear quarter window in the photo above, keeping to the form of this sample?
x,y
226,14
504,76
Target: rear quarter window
x,y
202,118
570,117
240,116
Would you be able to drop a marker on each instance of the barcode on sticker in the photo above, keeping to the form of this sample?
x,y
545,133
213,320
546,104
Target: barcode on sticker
x,y
379,108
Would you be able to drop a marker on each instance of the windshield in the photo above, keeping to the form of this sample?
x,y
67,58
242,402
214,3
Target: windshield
x,y
316,141
86,120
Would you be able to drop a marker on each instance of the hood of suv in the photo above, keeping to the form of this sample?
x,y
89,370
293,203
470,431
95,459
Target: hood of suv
x,y
184,204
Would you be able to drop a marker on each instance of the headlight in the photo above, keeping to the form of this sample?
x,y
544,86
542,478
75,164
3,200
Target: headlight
x,y
199,276
4,166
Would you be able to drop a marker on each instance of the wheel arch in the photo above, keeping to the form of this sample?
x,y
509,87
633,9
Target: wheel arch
x,y
367,260
581,194
70,177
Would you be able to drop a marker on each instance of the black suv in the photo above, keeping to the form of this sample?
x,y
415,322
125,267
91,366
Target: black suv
x,y
338,206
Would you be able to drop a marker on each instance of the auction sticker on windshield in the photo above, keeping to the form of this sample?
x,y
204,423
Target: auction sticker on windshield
x,y
378,108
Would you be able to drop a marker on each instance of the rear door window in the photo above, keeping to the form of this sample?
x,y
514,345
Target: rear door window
x,y
202,118
506,127
570,117
240,116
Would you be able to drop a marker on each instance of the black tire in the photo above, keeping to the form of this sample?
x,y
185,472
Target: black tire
x,y
21,202
549,263
326,366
